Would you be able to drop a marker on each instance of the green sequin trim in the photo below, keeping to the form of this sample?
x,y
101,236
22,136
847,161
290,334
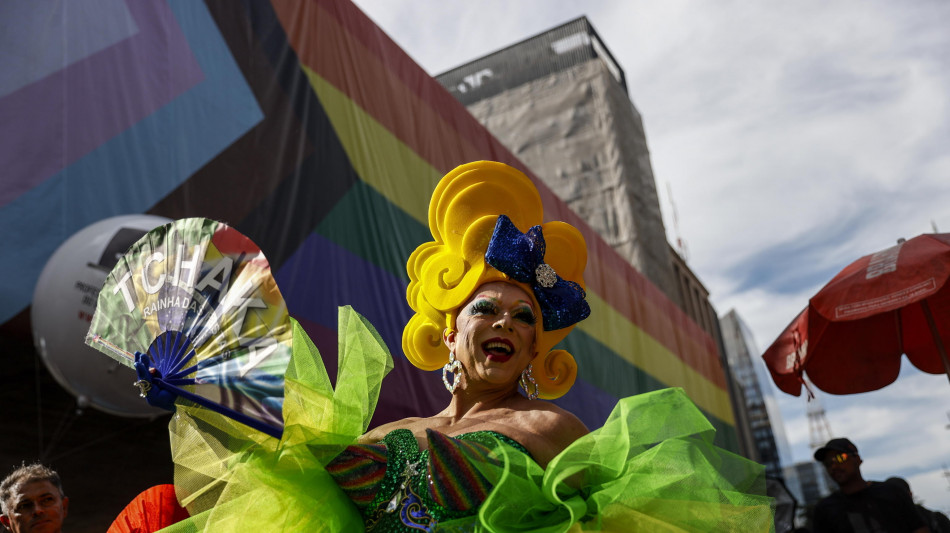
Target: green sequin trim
x,y
487,438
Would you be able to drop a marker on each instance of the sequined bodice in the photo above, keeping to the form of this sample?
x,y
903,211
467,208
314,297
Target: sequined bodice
x,y
398,487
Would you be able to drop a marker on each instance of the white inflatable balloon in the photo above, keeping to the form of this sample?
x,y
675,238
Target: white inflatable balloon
x,y
63,304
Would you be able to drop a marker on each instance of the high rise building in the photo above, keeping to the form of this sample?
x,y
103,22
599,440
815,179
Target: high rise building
x,y
764,417
814,481
559,102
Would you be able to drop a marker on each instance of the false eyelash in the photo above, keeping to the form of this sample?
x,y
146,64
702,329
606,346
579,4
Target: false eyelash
x,y
527,317
482,307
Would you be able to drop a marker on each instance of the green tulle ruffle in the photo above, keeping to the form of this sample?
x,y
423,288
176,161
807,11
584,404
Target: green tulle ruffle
x,y
651,467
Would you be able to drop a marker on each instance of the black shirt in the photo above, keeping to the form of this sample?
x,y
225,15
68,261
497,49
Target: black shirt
x,y
878,508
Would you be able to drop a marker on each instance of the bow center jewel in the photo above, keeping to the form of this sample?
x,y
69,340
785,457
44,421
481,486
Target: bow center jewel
x,y
545,275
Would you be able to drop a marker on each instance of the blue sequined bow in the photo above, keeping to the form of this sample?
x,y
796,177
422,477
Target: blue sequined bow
x,y
521,257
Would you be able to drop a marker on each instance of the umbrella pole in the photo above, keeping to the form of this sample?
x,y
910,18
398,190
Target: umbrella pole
x,y
936,335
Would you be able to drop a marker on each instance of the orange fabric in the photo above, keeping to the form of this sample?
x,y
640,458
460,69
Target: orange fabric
x,y
153,509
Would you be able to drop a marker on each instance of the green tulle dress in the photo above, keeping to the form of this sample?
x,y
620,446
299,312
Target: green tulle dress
x,y
651,467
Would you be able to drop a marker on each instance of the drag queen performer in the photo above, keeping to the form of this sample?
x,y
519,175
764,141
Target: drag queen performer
x,y
493,293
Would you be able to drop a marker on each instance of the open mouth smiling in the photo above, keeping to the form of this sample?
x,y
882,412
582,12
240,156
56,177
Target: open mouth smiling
x,y
498,350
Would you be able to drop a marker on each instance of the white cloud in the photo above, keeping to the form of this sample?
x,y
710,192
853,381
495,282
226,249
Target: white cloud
x,y
930,489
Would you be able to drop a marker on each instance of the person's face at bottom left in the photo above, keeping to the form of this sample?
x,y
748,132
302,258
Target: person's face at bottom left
x,y
37,507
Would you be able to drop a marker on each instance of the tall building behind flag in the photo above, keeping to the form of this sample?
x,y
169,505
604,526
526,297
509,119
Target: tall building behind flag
x,y
559,102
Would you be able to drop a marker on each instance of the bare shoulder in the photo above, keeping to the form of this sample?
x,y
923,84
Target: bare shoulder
x,y
545,429
376,434
556,423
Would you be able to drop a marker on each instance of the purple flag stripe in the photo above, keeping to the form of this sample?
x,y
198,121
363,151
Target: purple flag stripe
x,y
407,391
326,276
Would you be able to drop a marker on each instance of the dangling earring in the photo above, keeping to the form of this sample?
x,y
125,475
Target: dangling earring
x,y
455,367
527,377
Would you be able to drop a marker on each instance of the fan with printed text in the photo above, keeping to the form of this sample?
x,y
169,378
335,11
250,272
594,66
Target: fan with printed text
x,y
198,297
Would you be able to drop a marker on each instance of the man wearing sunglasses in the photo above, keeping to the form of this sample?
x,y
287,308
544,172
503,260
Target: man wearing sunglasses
x,y
860,506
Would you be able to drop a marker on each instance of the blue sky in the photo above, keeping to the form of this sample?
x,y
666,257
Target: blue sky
x,y
793,137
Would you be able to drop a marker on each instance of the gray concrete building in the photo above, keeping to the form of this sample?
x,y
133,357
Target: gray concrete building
x,y
559,102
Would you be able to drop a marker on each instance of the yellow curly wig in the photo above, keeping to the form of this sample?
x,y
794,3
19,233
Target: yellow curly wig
x,y
445,272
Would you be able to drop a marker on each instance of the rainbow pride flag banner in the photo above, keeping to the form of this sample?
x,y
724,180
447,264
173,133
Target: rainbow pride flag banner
x,y
306,128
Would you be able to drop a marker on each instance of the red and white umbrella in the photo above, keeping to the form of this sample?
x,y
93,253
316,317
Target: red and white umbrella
x,y
852,335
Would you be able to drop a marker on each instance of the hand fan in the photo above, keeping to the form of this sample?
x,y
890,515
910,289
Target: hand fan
x,y
199,297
